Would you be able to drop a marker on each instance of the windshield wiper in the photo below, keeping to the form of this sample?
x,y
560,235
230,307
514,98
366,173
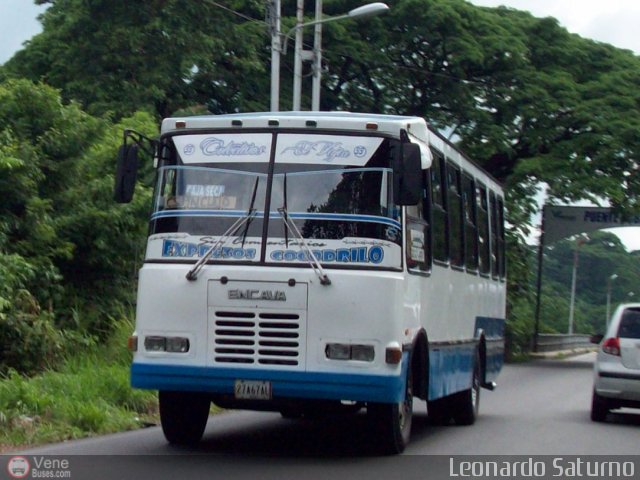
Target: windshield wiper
x,y
245,219
284,206
250,213
313,261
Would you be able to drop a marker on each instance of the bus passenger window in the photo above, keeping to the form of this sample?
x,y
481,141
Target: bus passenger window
x,y
418,239
454,200
470,222
501,241
494,235
439,222
483,230
426,216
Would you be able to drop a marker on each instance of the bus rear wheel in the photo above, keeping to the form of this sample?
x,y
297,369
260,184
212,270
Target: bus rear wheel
x,y
467,402
183,416
392,421
439,411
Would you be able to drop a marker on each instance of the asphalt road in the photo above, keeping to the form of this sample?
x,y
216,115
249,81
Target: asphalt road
x,y
539,408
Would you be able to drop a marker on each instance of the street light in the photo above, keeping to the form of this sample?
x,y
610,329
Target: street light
x,y
364,11
609,280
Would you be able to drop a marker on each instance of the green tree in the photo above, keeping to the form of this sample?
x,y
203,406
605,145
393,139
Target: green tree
x,y
159,55
598,259
66,250
526,99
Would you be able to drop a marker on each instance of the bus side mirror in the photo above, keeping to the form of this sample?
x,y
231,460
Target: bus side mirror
x,y
126,173
407,174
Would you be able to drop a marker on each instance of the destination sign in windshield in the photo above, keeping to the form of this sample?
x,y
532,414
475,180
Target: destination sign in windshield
x,y
339,150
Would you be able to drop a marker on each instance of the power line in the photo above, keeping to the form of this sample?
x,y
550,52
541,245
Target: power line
x,y
236,13
390,64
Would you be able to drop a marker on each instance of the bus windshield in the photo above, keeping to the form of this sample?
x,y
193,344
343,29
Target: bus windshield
x,y
343,209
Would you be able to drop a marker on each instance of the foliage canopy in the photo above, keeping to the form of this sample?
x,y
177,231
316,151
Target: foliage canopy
x,y
531,102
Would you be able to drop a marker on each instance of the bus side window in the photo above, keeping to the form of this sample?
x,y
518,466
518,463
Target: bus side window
x,y
470,222
494,235
426,216
418,235
454,201
501,241
483,230
439,222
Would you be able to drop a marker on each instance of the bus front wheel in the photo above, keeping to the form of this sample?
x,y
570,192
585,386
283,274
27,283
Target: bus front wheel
x,y
183,416
392,421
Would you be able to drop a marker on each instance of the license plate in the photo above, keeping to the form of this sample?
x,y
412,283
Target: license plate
x,y
252,390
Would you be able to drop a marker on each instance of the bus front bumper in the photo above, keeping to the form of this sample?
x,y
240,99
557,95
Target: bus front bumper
x,y
284,384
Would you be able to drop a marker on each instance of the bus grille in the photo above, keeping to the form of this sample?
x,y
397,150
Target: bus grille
x,y
257,338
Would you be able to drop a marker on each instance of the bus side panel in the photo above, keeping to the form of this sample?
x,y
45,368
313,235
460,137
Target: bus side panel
x,y
450,368
457,307
493,329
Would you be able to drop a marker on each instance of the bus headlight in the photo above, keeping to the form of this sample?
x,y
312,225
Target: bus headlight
x,y
155,344
363,353
166,344
177,344
341,351
338,351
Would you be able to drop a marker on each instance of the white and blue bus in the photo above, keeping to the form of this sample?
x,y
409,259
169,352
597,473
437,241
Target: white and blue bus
x,y
315,262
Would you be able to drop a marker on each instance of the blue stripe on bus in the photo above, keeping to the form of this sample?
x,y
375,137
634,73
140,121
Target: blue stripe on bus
x,y
450,369
451,366
337,217
202,213
493,329
313,385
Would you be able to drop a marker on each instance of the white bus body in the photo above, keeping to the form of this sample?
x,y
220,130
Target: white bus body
x,y
400,301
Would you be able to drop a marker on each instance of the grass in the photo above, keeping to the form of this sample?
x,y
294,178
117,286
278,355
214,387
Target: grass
x,y
88,395
518,357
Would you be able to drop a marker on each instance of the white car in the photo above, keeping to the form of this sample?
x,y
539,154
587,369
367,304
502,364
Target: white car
x,y
617,366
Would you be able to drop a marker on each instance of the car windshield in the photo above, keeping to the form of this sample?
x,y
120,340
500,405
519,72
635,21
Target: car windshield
x,y
630,324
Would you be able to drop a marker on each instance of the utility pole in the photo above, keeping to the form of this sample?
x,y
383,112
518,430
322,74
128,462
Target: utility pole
x,y
297,59
317,59
273,20
536,329
608,314
315,55
579,242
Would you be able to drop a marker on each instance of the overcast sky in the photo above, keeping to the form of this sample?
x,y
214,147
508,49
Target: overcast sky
x,y
612,21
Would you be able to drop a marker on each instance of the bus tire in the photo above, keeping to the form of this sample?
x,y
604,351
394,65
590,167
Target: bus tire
x,y
183,416
439,411
291,413
467,402
392,421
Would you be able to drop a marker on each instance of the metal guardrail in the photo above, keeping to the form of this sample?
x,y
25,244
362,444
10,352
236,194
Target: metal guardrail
x,y
554,342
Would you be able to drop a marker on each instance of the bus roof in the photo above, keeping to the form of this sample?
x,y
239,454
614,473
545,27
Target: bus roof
x,y
388,124
416,127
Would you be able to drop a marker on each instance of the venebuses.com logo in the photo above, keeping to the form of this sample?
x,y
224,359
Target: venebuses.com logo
x,y
18,467
38,467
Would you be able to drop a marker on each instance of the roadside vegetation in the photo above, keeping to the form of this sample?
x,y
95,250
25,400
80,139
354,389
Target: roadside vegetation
x,y
87,394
